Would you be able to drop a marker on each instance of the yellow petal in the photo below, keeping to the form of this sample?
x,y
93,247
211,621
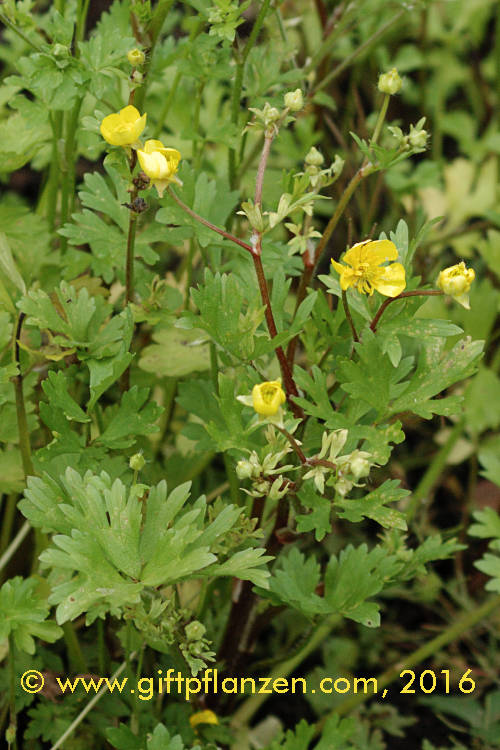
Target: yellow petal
x,y
154,165
392,280
153,145
380,251
355,253
338,267
129,114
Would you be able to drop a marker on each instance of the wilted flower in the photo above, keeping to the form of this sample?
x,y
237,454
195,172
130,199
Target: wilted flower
x,y
456,281
365,271
159,163
123,128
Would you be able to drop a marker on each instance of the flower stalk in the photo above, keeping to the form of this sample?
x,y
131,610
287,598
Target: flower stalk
x,y
387,302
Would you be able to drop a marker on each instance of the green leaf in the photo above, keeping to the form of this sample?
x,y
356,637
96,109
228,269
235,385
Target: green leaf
x,y
130,419
177,352
8,266
319,519
55,387
23,613
374,506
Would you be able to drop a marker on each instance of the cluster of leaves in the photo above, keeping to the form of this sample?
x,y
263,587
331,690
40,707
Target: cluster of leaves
x,y
102,398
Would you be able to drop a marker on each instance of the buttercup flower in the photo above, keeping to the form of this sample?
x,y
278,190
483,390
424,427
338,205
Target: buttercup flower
x,y
365,271
203,717
123,128
267,397
159,163
456,281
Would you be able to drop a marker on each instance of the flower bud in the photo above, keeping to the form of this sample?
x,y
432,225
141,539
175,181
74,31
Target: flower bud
x,y
358,464
195,630
244,469
314,158
390,83
203,717
136,57
137,462
294,100
137,77
60,50
456,281
417,138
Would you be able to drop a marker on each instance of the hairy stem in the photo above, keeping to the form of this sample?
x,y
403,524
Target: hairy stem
x,y
238,84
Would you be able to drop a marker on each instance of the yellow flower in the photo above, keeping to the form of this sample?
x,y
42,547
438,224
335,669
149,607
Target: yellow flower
x,y
267,397
123,128
456,281
203,717
365,271
159,163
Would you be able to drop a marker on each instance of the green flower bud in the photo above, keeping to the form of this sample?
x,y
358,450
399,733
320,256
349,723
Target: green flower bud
x,y
60,50
417,138
294,100
137,462
390,83
244,469
359,464
195,630
314,158
136,57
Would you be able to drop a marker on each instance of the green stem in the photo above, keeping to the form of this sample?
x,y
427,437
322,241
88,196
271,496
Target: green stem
x,y
88,708
232,479
362,172
348,316
434,471
12,694
380,119
238,84
249,708
357,52
22,421
81,19
15,544
129,263
76,658
7,22
451,634
52,187
68,168
8,521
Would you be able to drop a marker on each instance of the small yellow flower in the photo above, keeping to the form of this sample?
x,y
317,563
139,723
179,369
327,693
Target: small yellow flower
x,y
365,271
267,397
123,128
159,163
203,717
456,281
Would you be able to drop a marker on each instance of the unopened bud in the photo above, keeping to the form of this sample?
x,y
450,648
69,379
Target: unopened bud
x,y
137,462
390,83
294,100
417,138
244,469
314,158
136,57
359,464
195,630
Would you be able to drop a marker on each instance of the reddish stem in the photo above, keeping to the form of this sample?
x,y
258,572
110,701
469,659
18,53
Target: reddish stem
x,y
387,302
